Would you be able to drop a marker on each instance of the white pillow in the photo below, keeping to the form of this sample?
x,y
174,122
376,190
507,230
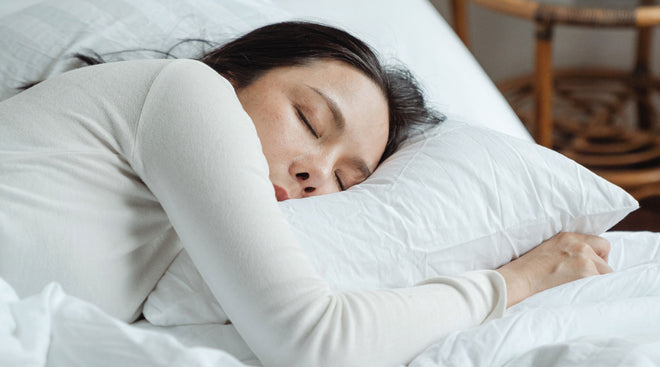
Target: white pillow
x,y
38,41
453,199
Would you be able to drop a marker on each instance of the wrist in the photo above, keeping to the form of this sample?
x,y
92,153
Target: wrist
x,y
517,285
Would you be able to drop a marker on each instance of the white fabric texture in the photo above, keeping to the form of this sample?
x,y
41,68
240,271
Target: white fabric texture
x,y
456,198
38,41
53,329
609,320
541,325
120,156
11,7
605,321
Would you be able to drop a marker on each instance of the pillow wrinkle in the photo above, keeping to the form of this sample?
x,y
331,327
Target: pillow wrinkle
x,y
583,203
496,208
406,167
528,172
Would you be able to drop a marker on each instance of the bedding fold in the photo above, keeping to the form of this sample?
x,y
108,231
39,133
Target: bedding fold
x,y
609,320
53,329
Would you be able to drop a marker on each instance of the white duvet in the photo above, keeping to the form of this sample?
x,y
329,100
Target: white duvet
x,y
609,320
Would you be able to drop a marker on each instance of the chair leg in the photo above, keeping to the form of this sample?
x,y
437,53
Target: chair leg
x,y
641,80
460,20
543,85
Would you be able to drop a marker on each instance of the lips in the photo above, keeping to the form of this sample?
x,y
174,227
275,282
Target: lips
x,y
280,193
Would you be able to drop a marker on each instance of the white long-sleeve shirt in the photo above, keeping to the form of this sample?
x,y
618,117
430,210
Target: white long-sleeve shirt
x,y
107,171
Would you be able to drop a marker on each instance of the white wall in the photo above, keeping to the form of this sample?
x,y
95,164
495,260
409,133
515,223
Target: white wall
x,y
504,45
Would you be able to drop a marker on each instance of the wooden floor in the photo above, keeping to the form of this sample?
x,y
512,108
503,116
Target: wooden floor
x,y
647,218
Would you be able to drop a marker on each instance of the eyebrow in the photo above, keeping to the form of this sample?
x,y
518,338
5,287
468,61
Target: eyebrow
x,y
337,116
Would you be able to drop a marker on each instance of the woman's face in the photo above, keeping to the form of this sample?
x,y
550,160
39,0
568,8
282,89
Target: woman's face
x,y
323,126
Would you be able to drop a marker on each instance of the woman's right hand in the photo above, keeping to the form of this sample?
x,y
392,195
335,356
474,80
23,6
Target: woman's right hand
x,y
561,259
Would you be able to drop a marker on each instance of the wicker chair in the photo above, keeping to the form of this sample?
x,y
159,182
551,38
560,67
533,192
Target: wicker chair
x,y
604,119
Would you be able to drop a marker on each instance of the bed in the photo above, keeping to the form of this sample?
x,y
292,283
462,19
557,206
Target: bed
x,y
471,194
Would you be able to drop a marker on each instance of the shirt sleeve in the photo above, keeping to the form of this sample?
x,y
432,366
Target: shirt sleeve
x,y
199,153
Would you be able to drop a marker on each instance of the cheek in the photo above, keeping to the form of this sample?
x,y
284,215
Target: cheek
x,y
276,122
279,134
277,126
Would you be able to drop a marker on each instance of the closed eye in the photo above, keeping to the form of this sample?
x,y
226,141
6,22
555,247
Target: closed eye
x,y
339,183
304,120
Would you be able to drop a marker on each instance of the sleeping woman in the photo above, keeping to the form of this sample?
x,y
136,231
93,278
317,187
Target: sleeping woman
x,y
108,171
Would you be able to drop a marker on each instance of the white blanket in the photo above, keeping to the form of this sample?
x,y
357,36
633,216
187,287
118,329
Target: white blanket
x,y
610,320
54,329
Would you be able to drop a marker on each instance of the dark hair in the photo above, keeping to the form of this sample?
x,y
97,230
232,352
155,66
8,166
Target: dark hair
x,y
246,58
298,43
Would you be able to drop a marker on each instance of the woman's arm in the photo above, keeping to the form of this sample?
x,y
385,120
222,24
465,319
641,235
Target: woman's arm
x,y
198,152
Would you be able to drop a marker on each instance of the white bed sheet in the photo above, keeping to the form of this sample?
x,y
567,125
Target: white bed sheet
x,y
53,329
8,7
606,321
610,320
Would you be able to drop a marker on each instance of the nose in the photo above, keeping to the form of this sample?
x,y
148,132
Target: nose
x,y
314,176
303,177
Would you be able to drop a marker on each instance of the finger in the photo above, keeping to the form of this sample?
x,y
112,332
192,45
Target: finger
x,y
602,266
600,245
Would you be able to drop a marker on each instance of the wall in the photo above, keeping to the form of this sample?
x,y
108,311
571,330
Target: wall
x,y
504,45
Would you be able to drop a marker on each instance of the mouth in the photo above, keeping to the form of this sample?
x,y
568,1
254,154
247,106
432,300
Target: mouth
x,y
280,193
